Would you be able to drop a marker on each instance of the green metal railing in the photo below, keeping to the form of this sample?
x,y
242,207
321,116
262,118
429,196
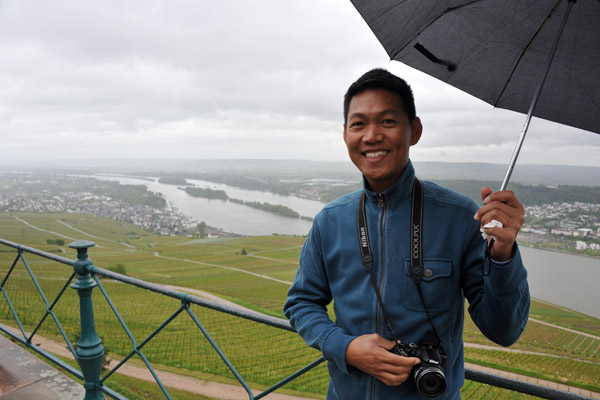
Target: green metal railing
x,y
89,353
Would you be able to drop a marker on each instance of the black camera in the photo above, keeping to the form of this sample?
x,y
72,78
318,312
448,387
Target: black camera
x,y
428,375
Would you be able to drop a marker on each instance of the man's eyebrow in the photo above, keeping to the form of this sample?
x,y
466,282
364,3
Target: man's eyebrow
x,y
390,111
381,113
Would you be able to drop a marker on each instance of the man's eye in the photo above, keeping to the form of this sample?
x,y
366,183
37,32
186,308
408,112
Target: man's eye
x,y
357,124
389,121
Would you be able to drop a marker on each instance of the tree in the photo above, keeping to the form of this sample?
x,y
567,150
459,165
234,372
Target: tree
x,y
60,242
244,252
201,226
118,268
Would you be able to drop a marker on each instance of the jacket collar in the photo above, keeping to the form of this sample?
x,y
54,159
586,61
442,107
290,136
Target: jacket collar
x,y
397,193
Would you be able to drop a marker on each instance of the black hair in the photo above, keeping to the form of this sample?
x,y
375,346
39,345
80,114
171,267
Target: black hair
x,y
380,78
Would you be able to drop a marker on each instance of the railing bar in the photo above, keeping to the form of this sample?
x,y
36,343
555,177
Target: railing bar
x,y
14,313
148,365
156,378
39,324
113,394
249,315
49,310
123,361
41,253
154,287
137,348
220,353
162,326
11,268
12,309
63,290
35,282
48,307
290,378
521,386
62,332
141,354
114,310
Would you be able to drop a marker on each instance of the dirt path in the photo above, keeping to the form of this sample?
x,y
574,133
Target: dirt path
x,y
42,230
209,296
519,351
224,267
215,390
93,236
565,329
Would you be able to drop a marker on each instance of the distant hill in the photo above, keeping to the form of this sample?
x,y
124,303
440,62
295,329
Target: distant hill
x,y
524,173
344,170
529,194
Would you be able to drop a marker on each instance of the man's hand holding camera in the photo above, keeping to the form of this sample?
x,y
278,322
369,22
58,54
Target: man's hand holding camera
x,y
372,355
506,208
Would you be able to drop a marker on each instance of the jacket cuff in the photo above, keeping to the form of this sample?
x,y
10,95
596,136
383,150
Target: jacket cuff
x,y
334,348
505,277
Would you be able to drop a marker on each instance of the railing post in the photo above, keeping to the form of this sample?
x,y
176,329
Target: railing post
x,y
90,352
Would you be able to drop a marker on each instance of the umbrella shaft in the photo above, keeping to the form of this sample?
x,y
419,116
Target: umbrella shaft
x,y
517,149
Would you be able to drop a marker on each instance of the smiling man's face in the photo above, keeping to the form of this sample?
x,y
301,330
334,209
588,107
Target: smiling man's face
x,y
378,135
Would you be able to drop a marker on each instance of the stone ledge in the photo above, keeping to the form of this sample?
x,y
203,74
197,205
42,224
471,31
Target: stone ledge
x,y
25,377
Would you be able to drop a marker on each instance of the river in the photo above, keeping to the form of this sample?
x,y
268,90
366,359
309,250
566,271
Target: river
x,y
564,279
228,216
567,280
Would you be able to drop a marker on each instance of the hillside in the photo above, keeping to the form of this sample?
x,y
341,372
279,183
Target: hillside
x,y
254,272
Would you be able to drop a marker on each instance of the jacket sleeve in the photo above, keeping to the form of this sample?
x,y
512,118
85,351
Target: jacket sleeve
x,y
307,301
498,302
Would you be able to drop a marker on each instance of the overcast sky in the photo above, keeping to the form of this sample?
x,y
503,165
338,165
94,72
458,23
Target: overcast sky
x,y
225,79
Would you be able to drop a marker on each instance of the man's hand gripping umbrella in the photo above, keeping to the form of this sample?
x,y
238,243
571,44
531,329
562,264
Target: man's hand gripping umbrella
x,y
509,214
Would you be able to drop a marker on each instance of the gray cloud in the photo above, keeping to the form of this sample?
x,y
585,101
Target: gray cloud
x,y
182,78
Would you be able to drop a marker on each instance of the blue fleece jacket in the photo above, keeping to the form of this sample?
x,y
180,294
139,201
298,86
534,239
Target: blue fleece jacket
x,y
330,269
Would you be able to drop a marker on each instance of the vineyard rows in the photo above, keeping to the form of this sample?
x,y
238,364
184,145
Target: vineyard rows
x,y
261,354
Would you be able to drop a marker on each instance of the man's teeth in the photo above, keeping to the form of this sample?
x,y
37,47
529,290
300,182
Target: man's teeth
x,y
374,154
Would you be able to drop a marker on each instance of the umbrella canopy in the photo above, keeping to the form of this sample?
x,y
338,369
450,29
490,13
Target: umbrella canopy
x,y
501,51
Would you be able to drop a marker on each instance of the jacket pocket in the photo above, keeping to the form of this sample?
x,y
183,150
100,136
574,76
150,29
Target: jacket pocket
x,y
437,285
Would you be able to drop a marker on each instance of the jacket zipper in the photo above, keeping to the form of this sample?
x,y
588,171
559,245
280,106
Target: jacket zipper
x,y
380,204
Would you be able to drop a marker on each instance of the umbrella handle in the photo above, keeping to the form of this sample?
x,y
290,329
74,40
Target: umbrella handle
x,y
517,149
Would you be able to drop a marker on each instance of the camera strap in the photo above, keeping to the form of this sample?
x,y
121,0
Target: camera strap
x,y
416,248
416,251
367,258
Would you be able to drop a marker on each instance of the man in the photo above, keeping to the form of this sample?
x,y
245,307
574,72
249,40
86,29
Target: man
x,y
380,126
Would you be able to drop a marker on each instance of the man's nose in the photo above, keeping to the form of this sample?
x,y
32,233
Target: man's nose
x,y
372,134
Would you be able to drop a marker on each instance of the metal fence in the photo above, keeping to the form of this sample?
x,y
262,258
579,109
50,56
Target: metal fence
x,y
89,351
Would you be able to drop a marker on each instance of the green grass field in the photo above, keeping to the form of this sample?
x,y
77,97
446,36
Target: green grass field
x,y
259,280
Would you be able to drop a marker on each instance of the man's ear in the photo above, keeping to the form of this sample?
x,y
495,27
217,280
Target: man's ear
x,y
345,133
416,131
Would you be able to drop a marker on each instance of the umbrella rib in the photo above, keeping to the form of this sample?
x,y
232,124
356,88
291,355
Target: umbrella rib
x,y
450,9
525,49
537,95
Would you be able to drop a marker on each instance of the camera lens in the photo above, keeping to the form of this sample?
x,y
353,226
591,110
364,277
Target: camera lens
x,y
430,382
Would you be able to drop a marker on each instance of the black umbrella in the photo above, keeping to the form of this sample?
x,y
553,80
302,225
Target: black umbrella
x,y
540,57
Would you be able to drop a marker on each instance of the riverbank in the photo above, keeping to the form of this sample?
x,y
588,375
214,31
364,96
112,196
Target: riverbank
x,y
543,242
